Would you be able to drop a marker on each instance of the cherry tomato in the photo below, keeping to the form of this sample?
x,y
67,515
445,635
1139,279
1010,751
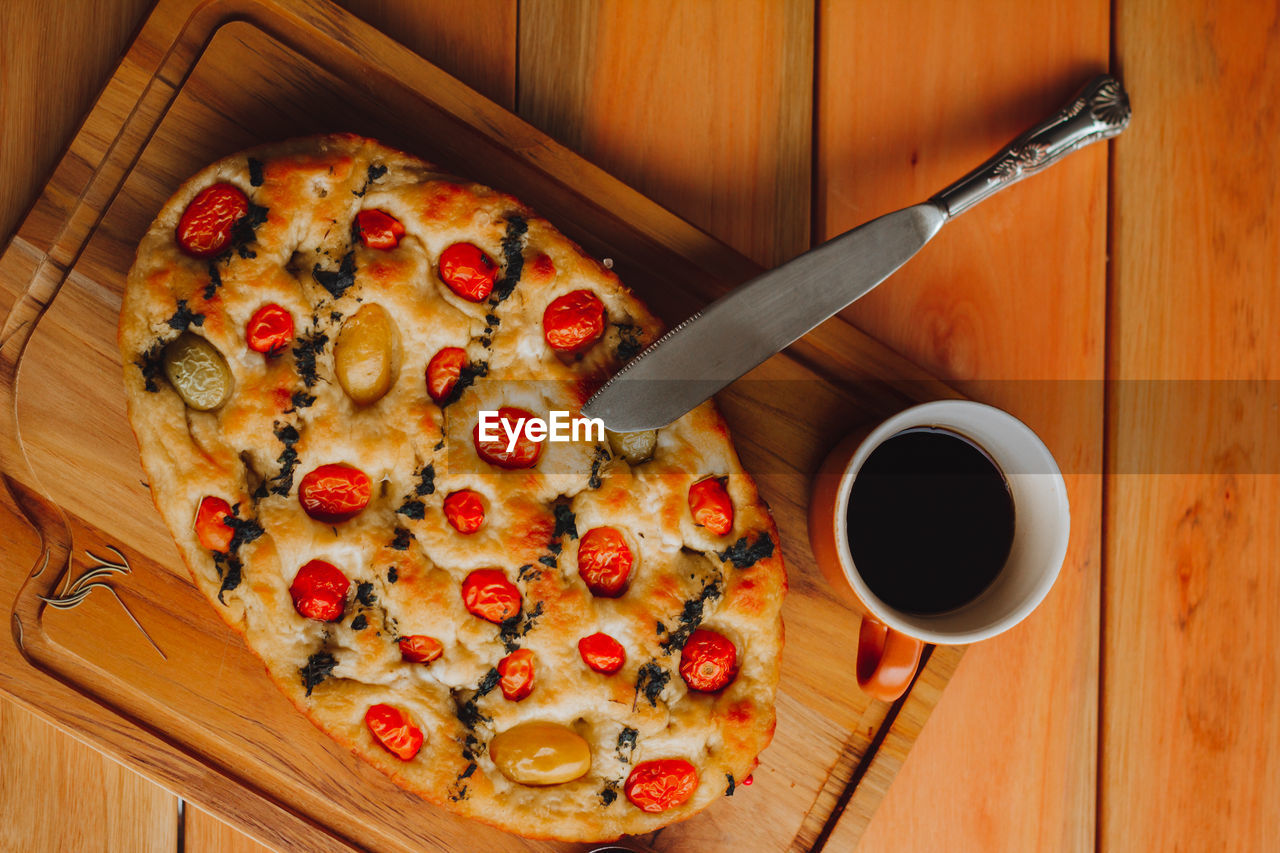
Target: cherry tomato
x,y
573,322
489,595
206,225
320,591
391,727
269,330
378,229
464,510
747,781
334,493
419,648
516,670
526,451
210,530
711,506
468,271
602,653
708,662
443,372
655,786
604,561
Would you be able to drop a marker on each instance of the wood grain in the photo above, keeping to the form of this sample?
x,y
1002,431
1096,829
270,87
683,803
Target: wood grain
x,y
54,58
1008,299
474,40
704,107
1191,742
301,68
58,794
205,833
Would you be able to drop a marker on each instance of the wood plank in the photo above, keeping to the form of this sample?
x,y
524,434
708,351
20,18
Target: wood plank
x,y
54,58
1009,299
205,833
58,794
1191,737
474,40
704,107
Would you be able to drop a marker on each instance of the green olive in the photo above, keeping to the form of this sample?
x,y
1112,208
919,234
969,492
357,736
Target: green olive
x,y
198,372
635,447
364,355
540,754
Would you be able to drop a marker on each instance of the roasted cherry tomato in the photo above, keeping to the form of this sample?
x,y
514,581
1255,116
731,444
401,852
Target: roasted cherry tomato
x,y
320,591
526,451
391,727
378,229
489,595
465,511
708,662
269,330
334,493
210,530
655,786
574,321
747,781
516,670
468,271
419,648
443,372
206,225
711,506
602,653
604,561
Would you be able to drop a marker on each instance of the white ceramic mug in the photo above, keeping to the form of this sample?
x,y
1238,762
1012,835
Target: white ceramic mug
x,y
890,640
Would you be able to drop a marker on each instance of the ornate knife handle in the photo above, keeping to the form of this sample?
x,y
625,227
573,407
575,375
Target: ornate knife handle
x,y
1100,111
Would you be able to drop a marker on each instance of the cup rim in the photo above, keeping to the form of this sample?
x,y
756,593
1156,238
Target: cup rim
x,y
935,414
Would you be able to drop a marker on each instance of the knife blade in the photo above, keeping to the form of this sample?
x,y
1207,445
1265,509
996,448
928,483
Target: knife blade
x,y
745,327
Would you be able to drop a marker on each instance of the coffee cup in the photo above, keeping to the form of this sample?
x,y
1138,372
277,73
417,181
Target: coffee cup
x,y
891,638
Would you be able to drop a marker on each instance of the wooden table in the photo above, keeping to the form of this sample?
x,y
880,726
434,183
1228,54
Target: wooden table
x,y
1135,709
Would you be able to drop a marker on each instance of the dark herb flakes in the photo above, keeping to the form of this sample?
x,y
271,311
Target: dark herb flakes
x,y
691,617
364,593
301,400
528,573
728,792
597,461
318,667
246,228
513,256
393,575
744,555
548,561
608,794
401,542
651,679
412,508
359,623
151,363
304,355
426,481
230,570
627,744
255,172
566,522
339,281
184,317
215,281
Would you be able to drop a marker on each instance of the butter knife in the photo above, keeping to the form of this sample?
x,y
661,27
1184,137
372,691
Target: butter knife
x,y
740,330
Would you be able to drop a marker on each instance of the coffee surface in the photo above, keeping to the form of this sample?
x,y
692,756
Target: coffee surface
x,y
930,521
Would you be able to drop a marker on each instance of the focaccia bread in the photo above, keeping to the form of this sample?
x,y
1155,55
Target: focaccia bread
x,y
566,639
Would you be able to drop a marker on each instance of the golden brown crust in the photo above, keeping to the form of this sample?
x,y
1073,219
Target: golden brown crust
x,y
404,561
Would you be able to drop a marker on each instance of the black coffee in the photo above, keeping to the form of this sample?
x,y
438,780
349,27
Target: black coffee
x,y
930,521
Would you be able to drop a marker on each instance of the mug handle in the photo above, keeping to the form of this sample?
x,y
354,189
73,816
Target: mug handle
x,y
886,660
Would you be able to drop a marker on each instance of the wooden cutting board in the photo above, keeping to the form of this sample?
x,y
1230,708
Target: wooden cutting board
x,y
109,609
